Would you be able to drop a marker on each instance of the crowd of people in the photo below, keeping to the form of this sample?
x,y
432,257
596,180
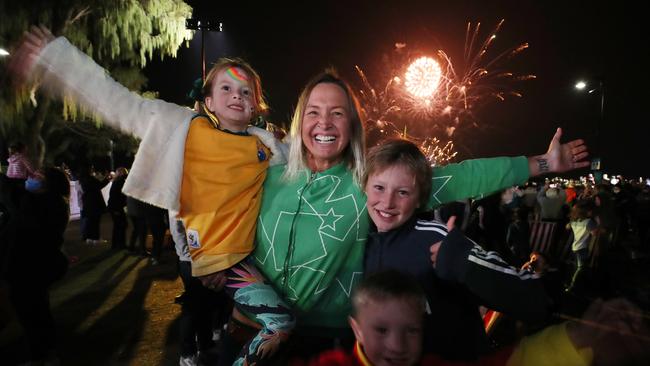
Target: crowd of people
x,y
320,245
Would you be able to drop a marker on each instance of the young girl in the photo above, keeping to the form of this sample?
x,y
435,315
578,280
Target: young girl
x,y
207,167
397,183
584,229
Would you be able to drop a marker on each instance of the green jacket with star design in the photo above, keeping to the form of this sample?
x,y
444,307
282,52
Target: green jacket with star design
x,y
311,232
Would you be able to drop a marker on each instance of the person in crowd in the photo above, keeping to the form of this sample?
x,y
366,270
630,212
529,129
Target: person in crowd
x,y
19,167
397,183
489,224
584,230
388,308
116,207
571,193
93,205
155,222
36,260
530,199
209,167
8,213
553,211
459,209
18,170
518,236
537,262
643,216
551,199
135,210
325,165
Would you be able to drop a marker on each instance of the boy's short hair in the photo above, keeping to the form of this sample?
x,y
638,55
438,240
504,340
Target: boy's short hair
x,y
405,153
387,285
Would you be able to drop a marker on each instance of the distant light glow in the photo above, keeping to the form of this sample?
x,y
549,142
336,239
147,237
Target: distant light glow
x,y
423,77
4,52
580,85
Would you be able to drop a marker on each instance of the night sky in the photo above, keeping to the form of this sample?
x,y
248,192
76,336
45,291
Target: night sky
x,y
289,43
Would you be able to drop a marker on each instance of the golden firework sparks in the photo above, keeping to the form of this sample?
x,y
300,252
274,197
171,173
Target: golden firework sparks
x,y
432,99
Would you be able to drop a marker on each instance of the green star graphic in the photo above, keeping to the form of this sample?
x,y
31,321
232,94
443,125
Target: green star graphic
x,y
332,230
329,219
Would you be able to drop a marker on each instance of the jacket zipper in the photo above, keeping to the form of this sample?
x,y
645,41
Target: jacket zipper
x,y
292,243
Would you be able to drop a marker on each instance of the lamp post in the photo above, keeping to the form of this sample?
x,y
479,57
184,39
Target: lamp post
x,y
583,85
203,26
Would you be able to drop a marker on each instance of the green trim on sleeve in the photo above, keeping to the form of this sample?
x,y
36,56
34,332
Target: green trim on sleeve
x,y
476,178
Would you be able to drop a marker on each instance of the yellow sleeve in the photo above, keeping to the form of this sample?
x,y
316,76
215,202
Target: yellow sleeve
x,y
550,347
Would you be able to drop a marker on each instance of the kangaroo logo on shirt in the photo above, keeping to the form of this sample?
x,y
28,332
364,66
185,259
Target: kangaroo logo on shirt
x,y
193,239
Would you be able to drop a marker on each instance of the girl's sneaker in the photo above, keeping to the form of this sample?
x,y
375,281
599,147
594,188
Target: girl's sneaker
x,y
192,360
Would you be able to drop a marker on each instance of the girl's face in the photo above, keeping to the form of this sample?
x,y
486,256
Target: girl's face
x,y
393,197
231,99
326,126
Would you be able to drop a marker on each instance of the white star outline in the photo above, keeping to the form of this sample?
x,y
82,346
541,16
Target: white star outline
x,y
310,210
328,214
446,179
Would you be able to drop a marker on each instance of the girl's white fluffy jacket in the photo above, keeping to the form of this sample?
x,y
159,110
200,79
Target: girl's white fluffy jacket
x,y
158,166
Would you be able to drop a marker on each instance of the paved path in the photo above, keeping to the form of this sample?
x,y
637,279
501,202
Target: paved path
x,y
113,308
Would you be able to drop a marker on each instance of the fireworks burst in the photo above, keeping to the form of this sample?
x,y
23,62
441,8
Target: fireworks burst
x,y
422,77
435,100
437,153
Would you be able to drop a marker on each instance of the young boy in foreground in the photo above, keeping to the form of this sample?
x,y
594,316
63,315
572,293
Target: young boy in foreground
x,y
388,310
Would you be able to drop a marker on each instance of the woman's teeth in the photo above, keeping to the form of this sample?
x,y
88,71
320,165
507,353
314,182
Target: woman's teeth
x,y
323,138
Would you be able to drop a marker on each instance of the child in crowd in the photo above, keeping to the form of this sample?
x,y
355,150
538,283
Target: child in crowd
x,y
18,170
209,167
584,229
397,183
388,309
552,277
19,167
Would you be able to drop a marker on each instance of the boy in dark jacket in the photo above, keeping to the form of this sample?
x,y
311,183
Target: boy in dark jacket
x,y
397,182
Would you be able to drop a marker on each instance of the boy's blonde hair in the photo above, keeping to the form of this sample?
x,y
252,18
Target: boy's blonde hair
x,y
260,105
394,152
388,285
354,153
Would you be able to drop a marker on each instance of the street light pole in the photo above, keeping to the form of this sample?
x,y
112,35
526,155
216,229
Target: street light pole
x,y
203,54
203,26
581,85
602,115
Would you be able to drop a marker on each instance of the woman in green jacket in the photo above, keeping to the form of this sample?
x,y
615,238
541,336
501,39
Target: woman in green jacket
x,y
313,222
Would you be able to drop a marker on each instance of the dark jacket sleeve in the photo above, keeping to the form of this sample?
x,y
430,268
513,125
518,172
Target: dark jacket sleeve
x,y
501,287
